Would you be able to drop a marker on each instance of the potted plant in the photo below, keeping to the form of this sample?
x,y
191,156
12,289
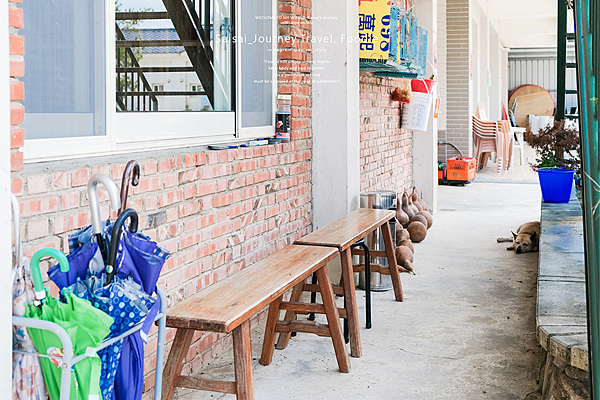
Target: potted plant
x,y
557,148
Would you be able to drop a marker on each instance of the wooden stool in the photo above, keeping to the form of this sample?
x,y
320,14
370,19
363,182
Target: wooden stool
x,y
342,234
228,305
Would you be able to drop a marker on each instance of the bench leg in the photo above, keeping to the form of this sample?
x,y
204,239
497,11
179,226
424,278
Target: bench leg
x,y
333,319
284,337
392,263
242,359
350,303
174,365
269,341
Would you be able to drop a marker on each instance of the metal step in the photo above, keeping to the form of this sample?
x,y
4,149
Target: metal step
x,y
161,93
570,91
141,15
155,69
571,65
156,43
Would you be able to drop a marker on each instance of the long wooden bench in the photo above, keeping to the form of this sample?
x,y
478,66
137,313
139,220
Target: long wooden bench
x,y
229,304
342,234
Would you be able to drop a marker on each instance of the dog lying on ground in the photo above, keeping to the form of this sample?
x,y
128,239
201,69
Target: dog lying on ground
x,y
526,239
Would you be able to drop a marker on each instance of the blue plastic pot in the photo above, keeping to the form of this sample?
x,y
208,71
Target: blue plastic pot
x,y
556,184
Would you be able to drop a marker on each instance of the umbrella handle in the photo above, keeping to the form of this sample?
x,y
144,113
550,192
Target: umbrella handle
x,y
113,192
131,167
116,238
17,223
38,284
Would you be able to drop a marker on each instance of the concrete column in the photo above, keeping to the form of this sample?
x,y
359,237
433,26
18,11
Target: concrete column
x,y
458,75
484,49
495,112
5,216
425,143
335,111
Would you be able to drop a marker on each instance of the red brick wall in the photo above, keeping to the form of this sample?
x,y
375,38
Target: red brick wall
x,y
385,149
17,69
216,211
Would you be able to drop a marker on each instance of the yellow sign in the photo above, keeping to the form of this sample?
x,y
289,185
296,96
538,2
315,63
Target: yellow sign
x,y
374,28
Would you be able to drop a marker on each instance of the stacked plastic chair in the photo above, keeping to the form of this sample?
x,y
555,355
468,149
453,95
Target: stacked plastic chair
x,y
492,137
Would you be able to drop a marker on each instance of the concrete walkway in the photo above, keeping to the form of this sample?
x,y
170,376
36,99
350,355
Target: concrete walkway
x,y
466,329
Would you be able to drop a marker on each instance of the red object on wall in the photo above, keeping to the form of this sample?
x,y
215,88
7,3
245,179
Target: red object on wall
x,y
418,85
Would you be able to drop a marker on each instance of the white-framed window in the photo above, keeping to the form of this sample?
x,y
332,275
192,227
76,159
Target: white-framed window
x,y
110,77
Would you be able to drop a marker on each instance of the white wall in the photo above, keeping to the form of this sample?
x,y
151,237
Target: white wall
x,y
497,75
441,61
425,143
335,112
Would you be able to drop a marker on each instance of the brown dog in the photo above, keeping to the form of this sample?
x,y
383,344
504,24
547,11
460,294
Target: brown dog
x,y
526,239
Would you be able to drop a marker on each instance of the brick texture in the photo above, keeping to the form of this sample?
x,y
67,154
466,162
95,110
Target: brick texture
x,y
216,211
385,149
17,93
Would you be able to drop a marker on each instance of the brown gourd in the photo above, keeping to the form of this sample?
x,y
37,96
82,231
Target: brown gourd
x,y
415,199
421,218
401,234
406,208
407,243
428,217
423,204
417,231
411,205
401,216
405,258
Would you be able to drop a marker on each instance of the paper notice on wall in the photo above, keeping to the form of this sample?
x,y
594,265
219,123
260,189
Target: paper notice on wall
x,y
374,29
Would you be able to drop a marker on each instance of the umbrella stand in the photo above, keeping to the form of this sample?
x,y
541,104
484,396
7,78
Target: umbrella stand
x,y
68,360
67,348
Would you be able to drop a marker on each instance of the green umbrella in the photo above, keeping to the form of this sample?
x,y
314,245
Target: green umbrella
x,y
85,325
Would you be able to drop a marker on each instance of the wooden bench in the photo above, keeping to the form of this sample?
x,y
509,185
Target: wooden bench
x,y
229,304
342,234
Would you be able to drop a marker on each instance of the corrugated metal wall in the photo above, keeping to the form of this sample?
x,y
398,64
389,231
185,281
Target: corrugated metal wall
x,y
538,67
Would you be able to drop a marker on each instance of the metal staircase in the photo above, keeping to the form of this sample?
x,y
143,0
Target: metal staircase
x,y
587,44
192,22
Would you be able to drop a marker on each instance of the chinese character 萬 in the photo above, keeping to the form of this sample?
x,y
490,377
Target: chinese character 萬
x,y
366,22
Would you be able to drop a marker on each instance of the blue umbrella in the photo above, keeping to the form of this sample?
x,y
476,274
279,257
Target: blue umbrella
x,y
142,260
89,252
88,247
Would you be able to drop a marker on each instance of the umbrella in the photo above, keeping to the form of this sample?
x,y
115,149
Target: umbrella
x,y
120,297
140,259
88,247
85,325
131,167
27,378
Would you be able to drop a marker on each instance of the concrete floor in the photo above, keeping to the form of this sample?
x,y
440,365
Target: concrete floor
x,y
466,329
517,172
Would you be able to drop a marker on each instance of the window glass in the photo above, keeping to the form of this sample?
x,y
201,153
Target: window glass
x,y
174,42
257,44
65,73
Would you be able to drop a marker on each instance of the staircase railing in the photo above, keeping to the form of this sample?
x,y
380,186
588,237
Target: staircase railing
x,y
192,22
130,81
